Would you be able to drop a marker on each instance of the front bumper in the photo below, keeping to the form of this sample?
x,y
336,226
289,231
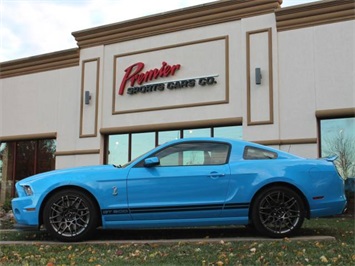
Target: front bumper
x,y
25,213
26,227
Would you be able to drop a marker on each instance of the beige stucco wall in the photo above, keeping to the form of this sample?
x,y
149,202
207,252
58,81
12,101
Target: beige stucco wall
x,y
304,70
316,72
40,103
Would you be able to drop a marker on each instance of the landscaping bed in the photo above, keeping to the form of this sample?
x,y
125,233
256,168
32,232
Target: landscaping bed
x,y
225,251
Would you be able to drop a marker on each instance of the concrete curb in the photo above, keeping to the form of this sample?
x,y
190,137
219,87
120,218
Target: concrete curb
x,y
172,241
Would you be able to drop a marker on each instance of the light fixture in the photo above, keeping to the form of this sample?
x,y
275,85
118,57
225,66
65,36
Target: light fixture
x,y
258,76
87,97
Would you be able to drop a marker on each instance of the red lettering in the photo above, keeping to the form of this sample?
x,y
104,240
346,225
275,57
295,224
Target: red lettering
x,y
133,74
174,68
167,71
151,74
139,66
140,79
161,70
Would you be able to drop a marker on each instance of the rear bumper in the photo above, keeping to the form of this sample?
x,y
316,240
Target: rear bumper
x,y
345,208
329,208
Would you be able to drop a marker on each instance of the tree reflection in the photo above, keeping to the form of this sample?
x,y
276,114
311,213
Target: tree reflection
x,y
344,147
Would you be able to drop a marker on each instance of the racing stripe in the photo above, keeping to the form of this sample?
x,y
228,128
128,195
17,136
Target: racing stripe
x,y
177,208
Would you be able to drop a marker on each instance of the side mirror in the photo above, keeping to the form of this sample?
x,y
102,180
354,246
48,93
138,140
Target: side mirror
x,y
152,161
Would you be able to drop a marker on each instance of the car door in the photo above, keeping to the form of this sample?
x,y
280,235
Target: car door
x,y
190,180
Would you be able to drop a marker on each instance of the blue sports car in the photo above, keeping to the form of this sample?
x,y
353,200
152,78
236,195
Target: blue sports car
x,y
186,182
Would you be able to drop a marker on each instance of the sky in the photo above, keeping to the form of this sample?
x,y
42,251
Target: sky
x,y
34,27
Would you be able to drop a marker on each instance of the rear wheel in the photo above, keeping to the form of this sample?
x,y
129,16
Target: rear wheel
x,y
278,212
70,215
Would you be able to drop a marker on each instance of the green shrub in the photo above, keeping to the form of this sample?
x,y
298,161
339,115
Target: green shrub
x,y
7,205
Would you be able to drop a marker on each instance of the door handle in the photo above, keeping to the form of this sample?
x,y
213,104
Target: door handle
x,y
215,175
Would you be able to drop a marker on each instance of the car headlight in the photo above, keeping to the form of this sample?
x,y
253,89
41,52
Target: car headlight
x,y
28,190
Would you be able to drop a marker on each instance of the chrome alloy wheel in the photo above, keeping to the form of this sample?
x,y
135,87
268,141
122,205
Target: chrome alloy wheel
x,y
280,212
69,215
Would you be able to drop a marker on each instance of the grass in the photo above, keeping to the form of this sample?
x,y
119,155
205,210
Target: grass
x,y
225,252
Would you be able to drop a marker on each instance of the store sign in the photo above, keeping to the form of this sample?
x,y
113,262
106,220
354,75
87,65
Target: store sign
x,y
140,81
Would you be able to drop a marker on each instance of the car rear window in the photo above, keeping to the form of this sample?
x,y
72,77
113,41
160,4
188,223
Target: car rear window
x,y
253,153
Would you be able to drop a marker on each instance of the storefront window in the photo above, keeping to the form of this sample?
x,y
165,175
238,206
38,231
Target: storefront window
x,y
20,159
228,132
165,136
141,143
338,138
118,149
45,157
25,157
200,132
121,149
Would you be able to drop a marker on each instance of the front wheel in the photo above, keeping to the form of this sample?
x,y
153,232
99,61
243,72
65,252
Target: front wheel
x,y
278,212
70,215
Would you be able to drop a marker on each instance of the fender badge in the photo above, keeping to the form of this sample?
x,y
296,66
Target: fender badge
x,y
114,191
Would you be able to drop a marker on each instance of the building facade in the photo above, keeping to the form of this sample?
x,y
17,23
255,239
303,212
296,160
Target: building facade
x,y
251,70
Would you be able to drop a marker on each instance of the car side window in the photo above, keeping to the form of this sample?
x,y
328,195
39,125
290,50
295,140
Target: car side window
x,y
194,153
253,153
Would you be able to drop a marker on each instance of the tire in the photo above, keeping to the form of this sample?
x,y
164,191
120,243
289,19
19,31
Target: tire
x,y
70,215
278,212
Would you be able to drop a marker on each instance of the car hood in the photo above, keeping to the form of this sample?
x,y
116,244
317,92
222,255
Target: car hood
x,y
67,172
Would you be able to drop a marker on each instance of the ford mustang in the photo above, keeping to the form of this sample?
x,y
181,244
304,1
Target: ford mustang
x,y
187,182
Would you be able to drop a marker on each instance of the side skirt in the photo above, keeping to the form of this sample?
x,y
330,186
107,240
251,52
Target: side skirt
x,y
175,223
